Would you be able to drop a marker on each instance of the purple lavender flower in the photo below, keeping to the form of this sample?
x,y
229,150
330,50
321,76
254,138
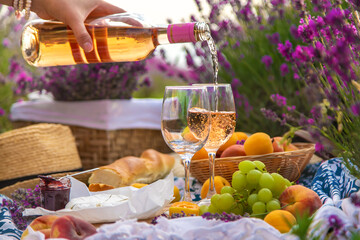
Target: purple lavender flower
x,y
316,112
355,199
311,121
267,60
291,108
278,99
246,12
2,112
6,42
319,147
303,53
274,38
223,61
236,83
294,32
335,17
269,114
286,50
236,45
284,69
355,109
299,4
335,223
321,5
277,2
355,4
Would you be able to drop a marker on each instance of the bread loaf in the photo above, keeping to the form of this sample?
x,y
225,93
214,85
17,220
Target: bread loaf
x,y
149,167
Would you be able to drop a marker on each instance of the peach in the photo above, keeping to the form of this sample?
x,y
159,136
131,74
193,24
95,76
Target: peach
x,y
232,140
300,200
290,147
73,228
42,224
234,151
277,144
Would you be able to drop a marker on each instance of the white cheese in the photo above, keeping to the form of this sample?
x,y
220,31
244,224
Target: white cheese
x,y
98,200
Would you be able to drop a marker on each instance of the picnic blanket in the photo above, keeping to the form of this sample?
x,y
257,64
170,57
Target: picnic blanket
x,y
330,179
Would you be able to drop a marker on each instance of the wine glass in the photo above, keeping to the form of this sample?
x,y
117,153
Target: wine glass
x,y
185,124
223,120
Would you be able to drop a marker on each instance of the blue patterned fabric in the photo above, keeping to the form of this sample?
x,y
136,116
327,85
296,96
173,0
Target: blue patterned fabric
x,y
308,174
8,230
195,187
333,182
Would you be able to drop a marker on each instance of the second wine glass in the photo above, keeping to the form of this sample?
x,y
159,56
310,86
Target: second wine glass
x,y
223,121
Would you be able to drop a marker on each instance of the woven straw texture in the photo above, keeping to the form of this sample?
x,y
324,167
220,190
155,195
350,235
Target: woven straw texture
x,y
100,147
37,149
7,191
288,164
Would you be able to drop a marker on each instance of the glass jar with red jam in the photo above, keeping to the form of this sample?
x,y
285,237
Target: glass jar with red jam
x,y
55,192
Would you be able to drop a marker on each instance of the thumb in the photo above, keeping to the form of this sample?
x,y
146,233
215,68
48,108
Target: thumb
x,y
82,36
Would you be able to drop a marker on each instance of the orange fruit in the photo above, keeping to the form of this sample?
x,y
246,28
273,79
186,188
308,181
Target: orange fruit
x,y
176,195
219,183
139,185
258,143
201,154
282,220
232,140
188,208
241,136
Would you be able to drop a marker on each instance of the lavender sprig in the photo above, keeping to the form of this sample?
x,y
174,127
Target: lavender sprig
x,y
21,199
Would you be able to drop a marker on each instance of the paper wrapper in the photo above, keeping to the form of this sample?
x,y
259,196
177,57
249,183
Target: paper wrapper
x,y
143,203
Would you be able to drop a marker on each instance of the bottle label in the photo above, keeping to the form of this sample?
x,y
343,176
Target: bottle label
x,y
181,33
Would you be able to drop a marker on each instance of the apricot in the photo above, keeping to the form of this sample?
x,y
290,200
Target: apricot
x,y
234,151
232,141
281,220
187,208
177,195
219,181
241,136
201,154
258,143
139,185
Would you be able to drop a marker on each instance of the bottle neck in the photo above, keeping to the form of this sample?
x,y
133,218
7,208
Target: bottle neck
x,y
184,32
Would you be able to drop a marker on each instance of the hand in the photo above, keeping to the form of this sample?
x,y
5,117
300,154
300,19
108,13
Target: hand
x,y
74,13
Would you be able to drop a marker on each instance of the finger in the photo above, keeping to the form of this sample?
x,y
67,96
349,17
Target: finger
x,y
82,36
105,9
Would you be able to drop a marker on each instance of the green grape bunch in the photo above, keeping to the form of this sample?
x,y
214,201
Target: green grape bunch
x,y
253,191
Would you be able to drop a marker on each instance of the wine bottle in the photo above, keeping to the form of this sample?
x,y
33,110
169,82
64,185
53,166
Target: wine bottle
x,y
116,38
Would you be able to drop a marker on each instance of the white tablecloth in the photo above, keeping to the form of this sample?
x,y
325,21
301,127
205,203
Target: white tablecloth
x,y
98,114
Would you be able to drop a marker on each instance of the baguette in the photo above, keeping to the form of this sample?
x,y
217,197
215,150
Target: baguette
x,y
149,167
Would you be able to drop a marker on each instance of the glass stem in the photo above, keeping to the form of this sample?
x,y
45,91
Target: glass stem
x,y
187,195
212,191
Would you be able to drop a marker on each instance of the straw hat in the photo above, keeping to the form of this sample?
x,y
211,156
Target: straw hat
x,y
37,149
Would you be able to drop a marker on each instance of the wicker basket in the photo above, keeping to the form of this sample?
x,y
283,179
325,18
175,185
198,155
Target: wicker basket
x,y
288,164
101,147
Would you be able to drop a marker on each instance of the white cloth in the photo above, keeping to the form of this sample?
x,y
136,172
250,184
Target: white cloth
x,y
188,228
99,114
